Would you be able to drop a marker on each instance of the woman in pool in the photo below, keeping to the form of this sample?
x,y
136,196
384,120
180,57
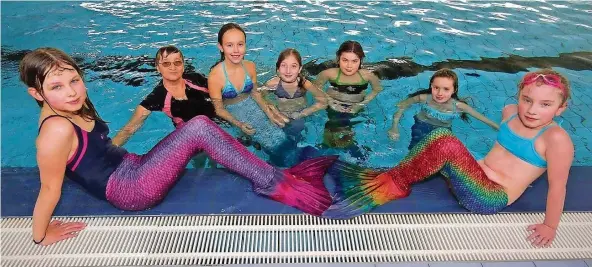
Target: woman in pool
x,y
179,95
73,141
439,106
231,84
346,95
529,143
290,88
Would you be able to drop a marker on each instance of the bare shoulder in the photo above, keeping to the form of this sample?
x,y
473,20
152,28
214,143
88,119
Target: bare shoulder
x,y
216,78
367,74
55,130
508,111
251,68
273,82
310,86
329,73
250,65
557,136
462,106
215,71
423,97
559,153
56,124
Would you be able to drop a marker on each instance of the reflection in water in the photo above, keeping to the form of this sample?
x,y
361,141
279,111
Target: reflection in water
x,y
133,70
404,67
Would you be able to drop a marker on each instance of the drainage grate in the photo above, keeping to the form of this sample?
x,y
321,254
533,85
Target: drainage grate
x,y
263,239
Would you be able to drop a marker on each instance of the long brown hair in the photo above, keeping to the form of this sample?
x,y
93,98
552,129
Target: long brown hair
x,y
35,67
285,54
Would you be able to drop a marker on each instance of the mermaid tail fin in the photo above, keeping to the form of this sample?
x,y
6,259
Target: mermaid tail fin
x,y
359,190
302,186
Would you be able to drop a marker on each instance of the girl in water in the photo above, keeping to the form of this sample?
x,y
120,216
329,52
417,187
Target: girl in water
x,y
529,143
440,105
231,83
290,88
346,95
73,141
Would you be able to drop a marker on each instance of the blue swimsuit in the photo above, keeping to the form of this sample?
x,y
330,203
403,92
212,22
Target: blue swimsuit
x,y
519,146
444,117
281,92
229,91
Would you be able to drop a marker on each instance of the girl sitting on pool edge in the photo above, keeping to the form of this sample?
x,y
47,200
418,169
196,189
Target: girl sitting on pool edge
x,y
73,141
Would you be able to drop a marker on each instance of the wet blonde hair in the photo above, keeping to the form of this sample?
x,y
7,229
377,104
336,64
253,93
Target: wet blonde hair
x,y
566,94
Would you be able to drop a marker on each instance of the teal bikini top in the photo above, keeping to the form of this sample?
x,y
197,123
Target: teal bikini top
x,y
445,117
229,91
521,147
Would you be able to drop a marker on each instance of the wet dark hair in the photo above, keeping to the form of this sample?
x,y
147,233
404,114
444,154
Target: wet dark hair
x,y
37,64
291,52
353,47
169,49
444,73
227,27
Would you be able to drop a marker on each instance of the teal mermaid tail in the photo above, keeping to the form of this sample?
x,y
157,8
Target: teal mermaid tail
x,y
282,150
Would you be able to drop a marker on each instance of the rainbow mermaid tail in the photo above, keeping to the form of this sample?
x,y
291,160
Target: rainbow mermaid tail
x,y
360,190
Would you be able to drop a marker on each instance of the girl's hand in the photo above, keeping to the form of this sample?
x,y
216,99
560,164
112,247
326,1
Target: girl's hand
x,y
394,134
340,106
247,129
542,236
356,107
58,231
296,115
335,105
276,116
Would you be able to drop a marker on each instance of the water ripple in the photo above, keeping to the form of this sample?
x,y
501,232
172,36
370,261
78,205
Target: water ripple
x,y
515,6
464,20
423,32
433,20
402,23
417,11
456,31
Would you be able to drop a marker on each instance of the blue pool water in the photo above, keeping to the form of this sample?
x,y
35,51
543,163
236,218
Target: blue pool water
x,y
490,46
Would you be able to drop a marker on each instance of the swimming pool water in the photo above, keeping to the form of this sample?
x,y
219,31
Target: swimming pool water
x,y
490,46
